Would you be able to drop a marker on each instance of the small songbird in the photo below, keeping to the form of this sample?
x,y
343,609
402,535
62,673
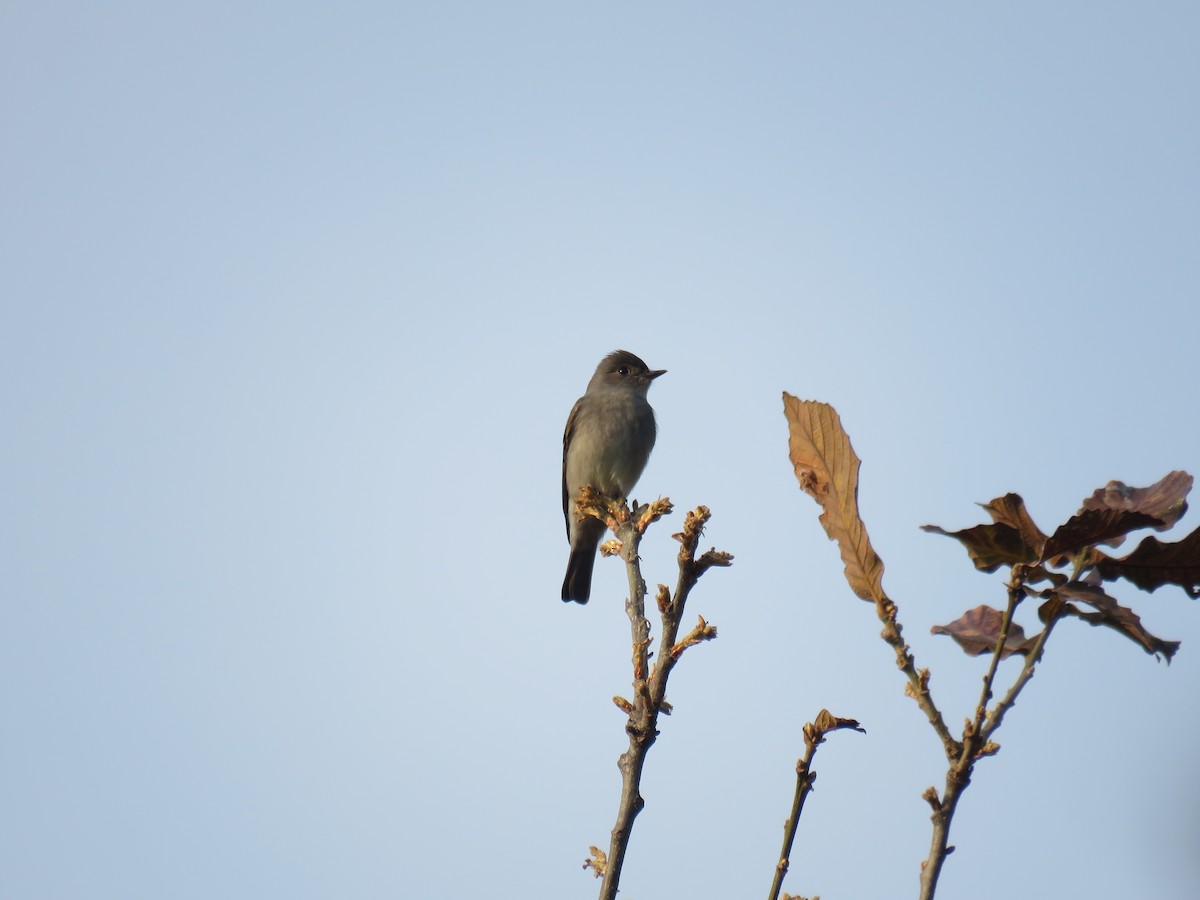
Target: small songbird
x,y
607,442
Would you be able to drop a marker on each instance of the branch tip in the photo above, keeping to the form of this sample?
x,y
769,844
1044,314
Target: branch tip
x,y
702,632
827,722
713,557
991,748
693,526
663,599
931,797
645,516
597,862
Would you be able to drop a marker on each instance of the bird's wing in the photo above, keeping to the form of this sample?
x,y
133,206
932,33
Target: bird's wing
x,y
568,433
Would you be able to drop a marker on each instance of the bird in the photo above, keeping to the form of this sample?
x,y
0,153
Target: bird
x,y
609,435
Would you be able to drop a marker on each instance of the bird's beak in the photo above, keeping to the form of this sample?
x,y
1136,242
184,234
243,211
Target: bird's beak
x,y
655,373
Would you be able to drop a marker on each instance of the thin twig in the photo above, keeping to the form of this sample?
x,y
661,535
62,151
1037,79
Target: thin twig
x,y
977,737
996,716
814,735
918,679
1015,594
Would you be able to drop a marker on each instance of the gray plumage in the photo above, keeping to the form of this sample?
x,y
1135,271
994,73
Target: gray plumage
x,y
606,444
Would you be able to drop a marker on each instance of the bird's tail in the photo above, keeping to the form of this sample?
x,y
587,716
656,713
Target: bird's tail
x,y
577,585
585,538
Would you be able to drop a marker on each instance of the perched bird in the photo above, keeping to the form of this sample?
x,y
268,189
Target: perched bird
x,y
607,442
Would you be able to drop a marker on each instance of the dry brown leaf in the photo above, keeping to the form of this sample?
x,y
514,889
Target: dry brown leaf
x,y
827,469
597,862
827,721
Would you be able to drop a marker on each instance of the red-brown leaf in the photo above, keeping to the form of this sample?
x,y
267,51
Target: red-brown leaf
x,y
1112,615
977,631
1165,500
1012,538
1010,510
1155,563
991,546
1094,526
1117,509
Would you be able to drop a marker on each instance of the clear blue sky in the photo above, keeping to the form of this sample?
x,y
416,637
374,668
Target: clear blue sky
x,y
296,298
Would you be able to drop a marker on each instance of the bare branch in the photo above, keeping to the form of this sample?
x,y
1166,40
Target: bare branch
x,y
649,681
814,736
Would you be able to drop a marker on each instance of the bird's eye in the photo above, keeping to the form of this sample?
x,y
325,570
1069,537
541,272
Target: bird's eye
x,y
624,370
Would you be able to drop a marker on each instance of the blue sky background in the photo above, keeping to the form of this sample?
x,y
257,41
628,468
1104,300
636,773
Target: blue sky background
x,y
296,299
